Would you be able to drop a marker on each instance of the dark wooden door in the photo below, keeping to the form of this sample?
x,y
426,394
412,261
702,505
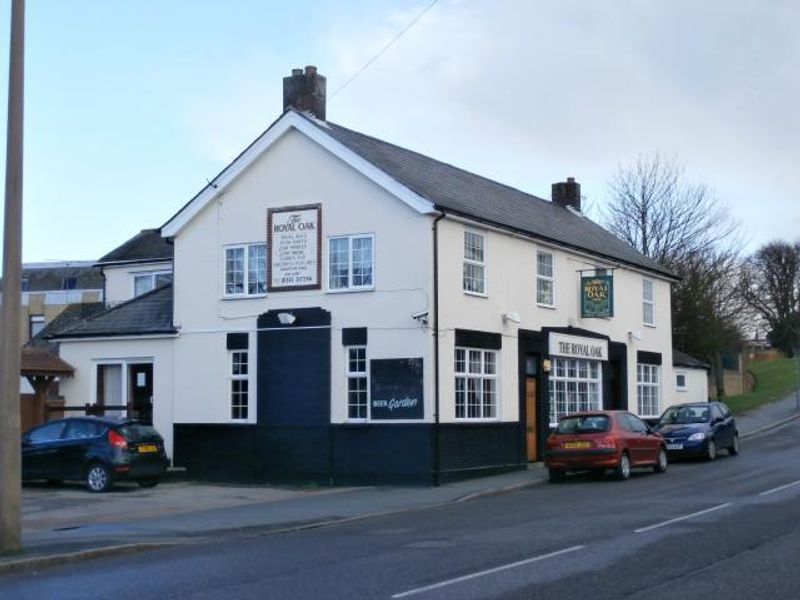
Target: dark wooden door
x,y
530,418
141,392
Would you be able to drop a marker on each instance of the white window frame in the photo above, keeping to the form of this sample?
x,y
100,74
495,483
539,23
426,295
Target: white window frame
x,y
475,263
645,374
152,275
548,278
233,405
34,320
246,271
685,386
651,302
481,376
356,375
560,374
350,287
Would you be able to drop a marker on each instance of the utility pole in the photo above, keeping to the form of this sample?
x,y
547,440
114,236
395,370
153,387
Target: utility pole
x,y
10,468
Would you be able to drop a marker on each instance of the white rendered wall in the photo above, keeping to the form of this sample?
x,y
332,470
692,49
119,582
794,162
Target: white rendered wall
x,y
296,171
86,355
119,279
696,385
511,287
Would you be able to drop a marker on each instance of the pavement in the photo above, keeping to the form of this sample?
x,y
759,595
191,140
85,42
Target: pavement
x,y
66,524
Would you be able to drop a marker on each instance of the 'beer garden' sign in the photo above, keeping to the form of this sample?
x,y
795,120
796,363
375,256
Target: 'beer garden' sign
x,y
294,244
597,296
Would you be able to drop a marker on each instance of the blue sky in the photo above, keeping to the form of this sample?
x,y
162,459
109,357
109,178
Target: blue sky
x,y
132,106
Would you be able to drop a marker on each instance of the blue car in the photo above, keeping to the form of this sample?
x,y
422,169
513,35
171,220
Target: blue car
x,y
699,429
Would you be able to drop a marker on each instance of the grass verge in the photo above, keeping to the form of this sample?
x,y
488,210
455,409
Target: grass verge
x,y
775,379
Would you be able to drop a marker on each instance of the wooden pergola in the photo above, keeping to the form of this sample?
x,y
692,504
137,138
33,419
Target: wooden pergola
x,y
41,368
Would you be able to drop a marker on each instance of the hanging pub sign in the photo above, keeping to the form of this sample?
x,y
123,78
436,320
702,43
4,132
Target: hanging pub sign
x,y
294,246
597,296
396,389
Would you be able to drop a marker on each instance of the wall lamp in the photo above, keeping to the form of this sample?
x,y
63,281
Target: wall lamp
x,y
286,318
512,316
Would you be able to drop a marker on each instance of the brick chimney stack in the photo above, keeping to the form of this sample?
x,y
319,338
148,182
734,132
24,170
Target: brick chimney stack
x,y
567,193
305,91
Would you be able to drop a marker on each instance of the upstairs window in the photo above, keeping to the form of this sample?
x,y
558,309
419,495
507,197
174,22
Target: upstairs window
x,y
246,270
474,281
544,278
648,303
144,282
351,261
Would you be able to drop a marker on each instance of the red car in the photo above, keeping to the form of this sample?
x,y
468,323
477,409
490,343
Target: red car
x,y
612,439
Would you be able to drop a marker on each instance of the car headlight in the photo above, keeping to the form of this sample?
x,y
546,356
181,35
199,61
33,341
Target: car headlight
x,y
696,437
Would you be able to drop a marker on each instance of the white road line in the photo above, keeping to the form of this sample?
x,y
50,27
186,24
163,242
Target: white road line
x,y
779,488
513,565
683,518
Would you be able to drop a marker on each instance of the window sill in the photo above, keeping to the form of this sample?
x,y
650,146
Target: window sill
x,y
651,325
476,294
243,297
478,420
547,306
350,290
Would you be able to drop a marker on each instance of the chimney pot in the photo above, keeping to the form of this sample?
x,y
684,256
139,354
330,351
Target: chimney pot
x,y
567,193
305,91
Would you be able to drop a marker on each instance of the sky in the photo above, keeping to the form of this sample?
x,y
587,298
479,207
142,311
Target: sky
x,y
132,107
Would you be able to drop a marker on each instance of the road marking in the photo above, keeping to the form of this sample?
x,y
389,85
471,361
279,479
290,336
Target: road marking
x,y
513,565
779,488
683,518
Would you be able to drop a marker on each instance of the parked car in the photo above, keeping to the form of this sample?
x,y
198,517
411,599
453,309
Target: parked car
x,y
699,429
603,440
95,450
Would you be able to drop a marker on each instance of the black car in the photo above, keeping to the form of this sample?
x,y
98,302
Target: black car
x,y
96,450
699,429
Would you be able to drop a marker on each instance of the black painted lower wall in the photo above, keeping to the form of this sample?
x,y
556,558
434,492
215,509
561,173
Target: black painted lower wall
x,y
347,454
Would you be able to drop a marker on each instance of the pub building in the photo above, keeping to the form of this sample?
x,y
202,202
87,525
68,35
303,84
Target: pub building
x,y
343,310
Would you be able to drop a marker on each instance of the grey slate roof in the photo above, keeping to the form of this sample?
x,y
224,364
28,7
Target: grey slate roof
x,y
71,315
471,195
145,246
148,314
681,359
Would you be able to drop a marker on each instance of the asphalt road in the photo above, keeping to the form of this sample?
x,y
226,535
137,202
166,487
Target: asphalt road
x,y
728,529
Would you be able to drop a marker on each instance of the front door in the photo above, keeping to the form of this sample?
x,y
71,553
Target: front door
x,y
141,392
530,417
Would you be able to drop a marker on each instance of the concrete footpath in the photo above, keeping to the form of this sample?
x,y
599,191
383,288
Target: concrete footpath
x,y
67,524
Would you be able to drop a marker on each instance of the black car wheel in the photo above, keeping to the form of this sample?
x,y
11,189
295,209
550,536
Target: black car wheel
x,y
661,462
623,469
149,482
555,475
711,450
98,478
733,450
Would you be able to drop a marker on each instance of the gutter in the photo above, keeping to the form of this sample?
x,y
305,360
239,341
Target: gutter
x,y
436,449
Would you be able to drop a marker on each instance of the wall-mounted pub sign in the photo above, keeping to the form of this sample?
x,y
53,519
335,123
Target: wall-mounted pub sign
x,y
294,245
597,296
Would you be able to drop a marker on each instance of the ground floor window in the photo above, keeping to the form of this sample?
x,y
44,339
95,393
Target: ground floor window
x,y
476,383
648,390
357,382
574,385
240,385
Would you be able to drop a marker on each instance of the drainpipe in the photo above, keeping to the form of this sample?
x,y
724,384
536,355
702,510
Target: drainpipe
x,y
436,472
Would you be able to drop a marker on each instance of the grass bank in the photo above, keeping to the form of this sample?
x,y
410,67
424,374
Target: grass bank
x,y
775,379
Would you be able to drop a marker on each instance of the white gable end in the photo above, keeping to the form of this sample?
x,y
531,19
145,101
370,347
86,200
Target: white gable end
x,y
292,120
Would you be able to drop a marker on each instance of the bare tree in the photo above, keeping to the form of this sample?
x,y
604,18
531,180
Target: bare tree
x,y
683,226
655,210
770,283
